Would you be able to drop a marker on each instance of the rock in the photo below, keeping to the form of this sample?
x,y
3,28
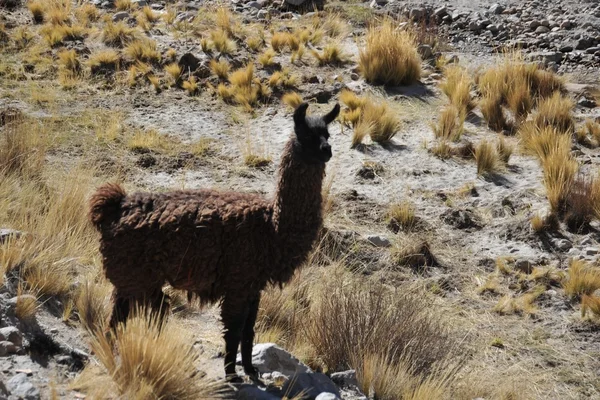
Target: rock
x,y
310,386
417,13
7,348
254,4
251,392
295,2
566,25
379,241
592,50
474,26
492,28
561,244
587,102
496,9
345,378
140,3
591,251
567,48
547,56
10,3
524,266
425,51
583,44
120,16
533,25
327,396
20,387
12,334
542,29
268,357
188,63
6,234
461,219
440,12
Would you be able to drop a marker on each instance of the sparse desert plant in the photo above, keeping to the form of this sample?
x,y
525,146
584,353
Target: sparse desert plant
x,y
225,21
504,150
104,61
521,304
442,149
22,36
267,59
487,158
385,123
37,10
559,176
590,303
22,146
220,68
519,100
491,108
450,124
123,5
26,306
331,55
55,35
149,15
544,141
390,56
220,42
146,359
87,13
144,140
292,99
173,70
144,50
457,86
92,302
118,34
402,215
69,61
582,203
556,111
170,15
255,43
283,78
361,130
191,85
583,279
283,40
351,100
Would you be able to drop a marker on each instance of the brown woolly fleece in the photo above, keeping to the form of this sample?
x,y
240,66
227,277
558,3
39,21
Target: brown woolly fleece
x,y
218,245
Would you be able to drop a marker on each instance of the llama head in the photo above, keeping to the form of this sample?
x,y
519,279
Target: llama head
x,y
312,135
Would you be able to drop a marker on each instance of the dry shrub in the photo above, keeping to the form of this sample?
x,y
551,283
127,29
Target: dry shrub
x,y
55,35
123,5
544,141
504,150
457,87
361,130
582,203
331,55
104,61
590,303
354,318
402,215
390,56
146,360
22,146
93,302
413,252
559,176
292,99
584,279
26,306
191,86
556,111
267,59
244,89
370,117
220,68
450,124
281,41
487,158
37,10
442,150
143,50
521,304
351,100
221,42
118,34
491,108
173,71
592,128
87,13
519,101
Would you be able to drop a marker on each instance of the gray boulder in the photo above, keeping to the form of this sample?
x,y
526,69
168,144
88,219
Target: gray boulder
x,y
20,387
268,357
310,386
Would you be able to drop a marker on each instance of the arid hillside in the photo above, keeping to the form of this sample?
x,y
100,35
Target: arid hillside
x,y
459,257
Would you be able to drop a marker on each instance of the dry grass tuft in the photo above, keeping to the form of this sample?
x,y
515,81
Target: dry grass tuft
x,y
267,59
487,158
523,304
390,56
402,215
255,43
292,100
143,50
351,100
590,303
504,150
457,87
87,13
592,128
369,117
173,71
491,108
542,142
147,360
559,176
118,34
26,306
123,5
93,302
220,68
584,279
331,55
556,111
104,61
37,10
191,85
220,41
450,124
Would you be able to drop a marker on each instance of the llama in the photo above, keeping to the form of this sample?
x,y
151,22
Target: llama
x,y
220,246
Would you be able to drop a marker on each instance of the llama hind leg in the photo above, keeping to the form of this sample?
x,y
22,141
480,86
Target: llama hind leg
x,y
233,315
248,338
120,311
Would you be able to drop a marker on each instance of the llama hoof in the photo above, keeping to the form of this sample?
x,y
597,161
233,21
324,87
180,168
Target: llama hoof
x,y
252,372
234,378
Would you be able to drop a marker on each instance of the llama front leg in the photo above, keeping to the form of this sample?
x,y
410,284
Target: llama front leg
x,y
233,315
248,338
120,311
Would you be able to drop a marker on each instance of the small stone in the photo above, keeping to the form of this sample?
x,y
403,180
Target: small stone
x,y
587,102
20,387
565,25
492,28
524,266
567,48
120,16
345,378
561,244
425,51
254,4
542,29
496,9
417,13
7,348
12,334
583,44
591,251
533,25
327,396
10,3
310,386
6,234
379,241
474,26
440,12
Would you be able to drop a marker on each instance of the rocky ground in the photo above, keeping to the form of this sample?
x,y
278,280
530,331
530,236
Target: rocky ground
x,y
468,221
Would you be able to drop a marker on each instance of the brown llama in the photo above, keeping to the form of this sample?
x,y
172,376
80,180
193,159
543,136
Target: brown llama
x,y
221,246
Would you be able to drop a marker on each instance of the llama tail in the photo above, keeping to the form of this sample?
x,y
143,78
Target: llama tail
x,y
106,203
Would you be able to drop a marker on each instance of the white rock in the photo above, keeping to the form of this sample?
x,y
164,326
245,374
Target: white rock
x,y
20,387
268,357
327,396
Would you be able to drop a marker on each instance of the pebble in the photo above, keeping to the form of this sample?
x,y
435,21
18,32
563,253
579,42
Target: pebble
x,y
120,16
379,241
11,334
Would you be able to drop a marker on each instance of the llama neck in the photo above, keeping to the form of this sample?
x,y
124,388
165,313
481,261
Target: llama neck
x,y
297,207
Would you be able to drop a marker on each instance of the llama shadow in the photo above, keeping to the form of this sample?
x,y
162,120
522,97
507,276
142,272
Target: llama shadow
x,y
392,146
515,169
498,179
416,90
475,119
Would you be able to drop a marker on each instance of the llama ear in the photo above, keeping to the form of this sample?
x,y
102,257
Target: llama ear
x,y
300,114
332,115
